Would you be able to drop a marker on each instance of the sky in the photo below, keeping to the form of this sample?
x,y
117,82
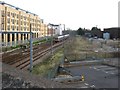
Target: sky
x,y
73,13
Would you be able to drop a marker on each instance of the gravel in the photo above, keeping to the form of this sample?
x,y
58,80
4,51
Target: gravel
x,y
9,81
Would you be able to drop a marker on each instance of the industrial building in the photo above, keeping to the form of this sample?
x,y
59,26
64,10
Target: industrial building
x,y
114,32
14,19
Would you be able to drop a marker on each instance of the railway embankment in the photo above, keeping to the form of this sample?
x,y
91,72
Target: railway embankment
x,y
15,78
47,68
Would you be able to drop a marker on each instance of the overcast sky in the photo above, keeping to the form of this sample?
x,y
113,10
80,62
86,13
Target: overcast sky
x,y
73,13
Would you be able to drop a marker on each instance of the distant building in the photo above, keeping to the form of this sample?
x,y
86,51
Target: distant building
x,y
50,30
114,32
106,36
58,30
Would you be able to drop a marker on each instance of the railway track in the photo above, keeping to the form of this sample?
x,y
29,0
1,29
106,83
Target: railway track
x,y
36,56
15,56
21,60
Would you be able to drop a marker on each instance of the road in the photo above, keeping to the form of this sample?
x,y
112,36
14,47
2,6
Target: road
x,y
97,76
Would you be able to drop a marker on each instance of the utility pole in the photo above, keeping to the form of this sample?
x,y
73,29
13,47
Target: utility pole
x,y
52,40
52,30
31,50
63,43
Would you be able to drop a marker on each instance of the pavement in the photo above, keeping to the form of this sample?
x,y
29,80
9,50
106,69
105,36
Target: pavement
x,y
97,76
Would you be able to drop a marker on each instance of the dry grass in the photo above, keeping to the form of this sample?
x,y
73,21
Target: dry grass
x,y
81,48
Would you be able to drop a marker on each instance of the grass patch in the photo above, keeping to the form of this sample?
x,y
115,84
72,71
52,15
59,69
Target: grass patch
x,y
41,41
4,49
47,65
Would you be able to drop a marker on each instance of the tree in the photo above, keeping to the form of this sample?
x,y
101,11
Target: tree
x,y
96,32
95,29
80,31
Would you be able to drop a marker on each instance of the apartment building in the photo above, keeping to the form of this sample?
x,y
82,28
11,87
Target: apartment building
x,y
13,19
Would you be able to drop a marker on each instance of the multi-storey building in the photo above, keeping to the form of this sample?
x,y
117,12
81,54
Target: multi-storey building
x,y
13,19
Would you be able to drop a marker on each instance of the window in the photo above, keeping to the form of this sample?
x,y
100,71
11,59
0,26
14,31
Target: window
x,y
2,26
2,20
21,23
8,14
24,23
2,13
21,29
17,16
12,21
13,15
8,27
17,28
21,17
13,28
24,18
28,24
8,20
17,22
28,28
24,28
